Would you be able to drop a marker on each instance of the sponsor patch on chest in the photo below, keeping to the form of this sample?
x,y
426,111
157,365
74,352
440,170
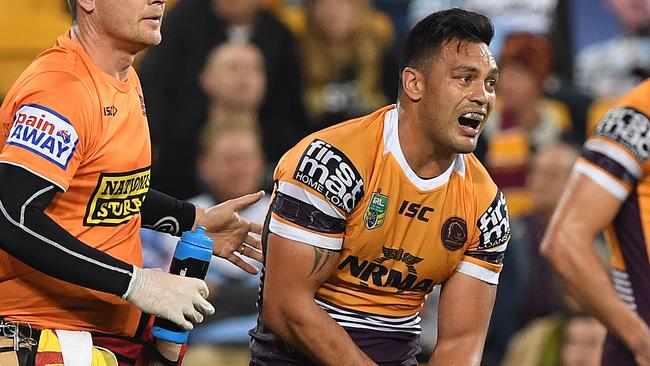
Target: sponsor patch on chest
x,y
44,132
117,198
376,211
328,171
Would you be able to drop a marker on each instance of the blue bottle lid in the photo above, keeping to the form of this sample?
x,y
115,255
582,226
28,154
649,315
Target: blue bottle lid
x,y
197,237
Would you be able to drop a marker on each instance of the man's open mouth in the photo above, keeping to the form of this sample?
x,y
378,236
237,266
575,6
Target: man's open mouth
x,y
471,119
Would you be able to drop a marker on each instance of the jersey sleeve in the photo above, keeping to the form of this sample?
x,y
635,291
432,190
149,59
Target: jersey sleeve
x,y
317,187
483,258
614,156
47,122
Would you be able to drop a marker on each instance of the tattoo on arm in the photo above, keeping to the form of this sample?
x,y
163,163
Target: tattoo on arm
x,y
321,256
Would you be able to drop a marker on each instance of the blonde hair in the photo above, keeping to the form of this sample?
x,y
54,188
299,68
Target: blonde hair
x,y
365,53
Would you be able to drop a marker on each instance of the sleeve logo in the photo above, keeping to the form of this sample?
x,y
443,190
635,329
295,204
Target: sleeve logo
x,y
629,128
494,224
117,198
454,233
328,171
45,133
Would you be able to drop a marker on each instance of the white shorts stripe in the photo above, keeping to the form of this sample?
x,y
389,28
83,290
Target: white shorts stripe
x,y
304,236
478,272
602,179
414,330
351,319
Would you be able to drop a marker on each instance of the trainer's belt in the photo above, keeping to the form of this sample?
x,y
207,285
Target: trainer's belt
x,y
14,336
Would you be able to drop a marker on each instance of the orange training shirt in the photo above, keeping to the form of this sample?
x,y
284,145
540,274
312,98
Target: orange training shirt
x,y
68,122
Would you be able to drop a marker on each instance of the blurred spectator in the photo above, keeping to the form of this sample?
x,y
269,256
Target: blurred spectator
x,y
583,342
527,288
397,10
620,63
234,80
28,28
611,68
524,120
558,340
349,66
177,106
230,164
508,16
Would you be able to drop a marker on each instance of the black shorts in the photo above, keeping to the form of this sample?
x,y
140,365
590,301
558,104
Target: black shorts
x,y
385,348
616,354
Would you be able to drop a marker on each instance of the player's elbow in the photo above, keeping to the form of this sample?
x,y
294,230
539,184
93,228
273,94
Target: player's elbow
x,y
284,315
277,312
272,313
555,248
550,248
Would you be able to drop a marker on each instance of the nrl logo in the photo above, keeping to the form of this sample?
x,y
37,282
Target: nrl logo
x,y
376,210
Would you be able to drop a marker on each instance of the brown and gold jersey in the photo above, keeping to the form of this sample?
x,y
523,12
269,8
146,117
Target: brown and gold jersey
x,y
349,188
616,158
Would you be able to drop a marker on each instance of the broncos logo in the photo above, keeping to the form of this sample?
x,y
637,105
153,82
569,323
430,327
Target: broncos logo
x,y
454,233
401,256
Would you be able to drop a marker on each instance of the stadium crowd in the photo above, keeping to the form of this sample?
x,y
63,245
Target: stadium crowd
x,y
236,83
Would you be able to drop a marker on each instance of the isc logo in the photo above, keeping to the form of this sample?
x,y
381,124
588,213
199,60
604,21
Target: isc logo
x,y
110,111
412,209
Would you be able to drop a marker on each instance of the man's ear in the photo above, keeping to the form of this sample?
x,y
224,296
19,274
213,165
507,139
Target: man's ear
x,y
412,83
86,6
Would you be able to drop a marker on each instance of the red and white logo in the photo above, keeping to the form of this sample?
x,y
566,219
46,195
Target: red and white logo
x,y
44,132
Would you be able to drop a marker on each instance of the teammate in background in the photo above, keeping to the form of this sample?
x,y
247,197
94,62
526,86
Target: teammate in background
x,y
608,191
74,173
368,215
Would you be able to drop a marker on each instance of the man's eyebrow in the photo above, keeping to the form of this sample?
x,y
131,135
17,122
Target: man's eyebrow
x,y
466,68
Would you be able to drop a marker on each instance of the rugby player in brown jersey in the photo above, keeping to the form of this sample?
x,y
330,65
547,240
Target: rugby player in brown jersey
x,y
369,215
608,192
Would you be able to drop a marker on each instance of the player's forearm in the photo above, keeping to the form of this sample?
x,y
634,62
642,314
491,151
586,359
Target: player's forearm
x,y
308,328
587,281
465,350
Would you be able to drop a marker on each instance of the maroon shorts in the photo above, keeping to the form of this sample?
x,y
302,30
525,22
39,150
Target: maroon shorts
x,y
616,354
385,348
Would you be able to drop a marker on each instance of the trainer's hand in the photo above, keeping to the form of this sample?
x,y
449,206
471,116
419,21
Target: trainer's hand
x,y
169,296
230,232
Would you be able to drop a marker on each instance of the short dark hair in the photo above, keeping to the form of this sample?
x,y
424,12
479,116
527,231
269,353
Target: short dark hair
x,y
440,28
72,4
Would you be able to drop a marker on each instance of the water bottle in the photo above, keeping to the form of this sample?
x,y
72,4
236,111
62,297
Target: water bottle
x,y
191,259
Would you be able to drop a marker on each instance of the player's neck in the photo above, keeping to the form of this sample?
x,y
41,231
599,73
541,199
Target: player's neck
x,y
426,160
110,59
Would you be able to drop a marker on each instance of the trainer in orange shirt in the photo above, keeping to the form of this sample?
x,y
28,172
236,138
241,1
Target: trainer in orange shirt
x,y
74,190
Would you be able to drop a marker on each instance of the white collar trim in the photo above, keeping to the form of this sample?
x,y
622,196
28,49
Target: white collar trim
x,y
391,145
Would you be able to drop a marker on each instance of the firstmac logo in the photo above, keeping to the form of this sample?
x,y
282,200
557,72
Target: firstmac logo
x,y
328,171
